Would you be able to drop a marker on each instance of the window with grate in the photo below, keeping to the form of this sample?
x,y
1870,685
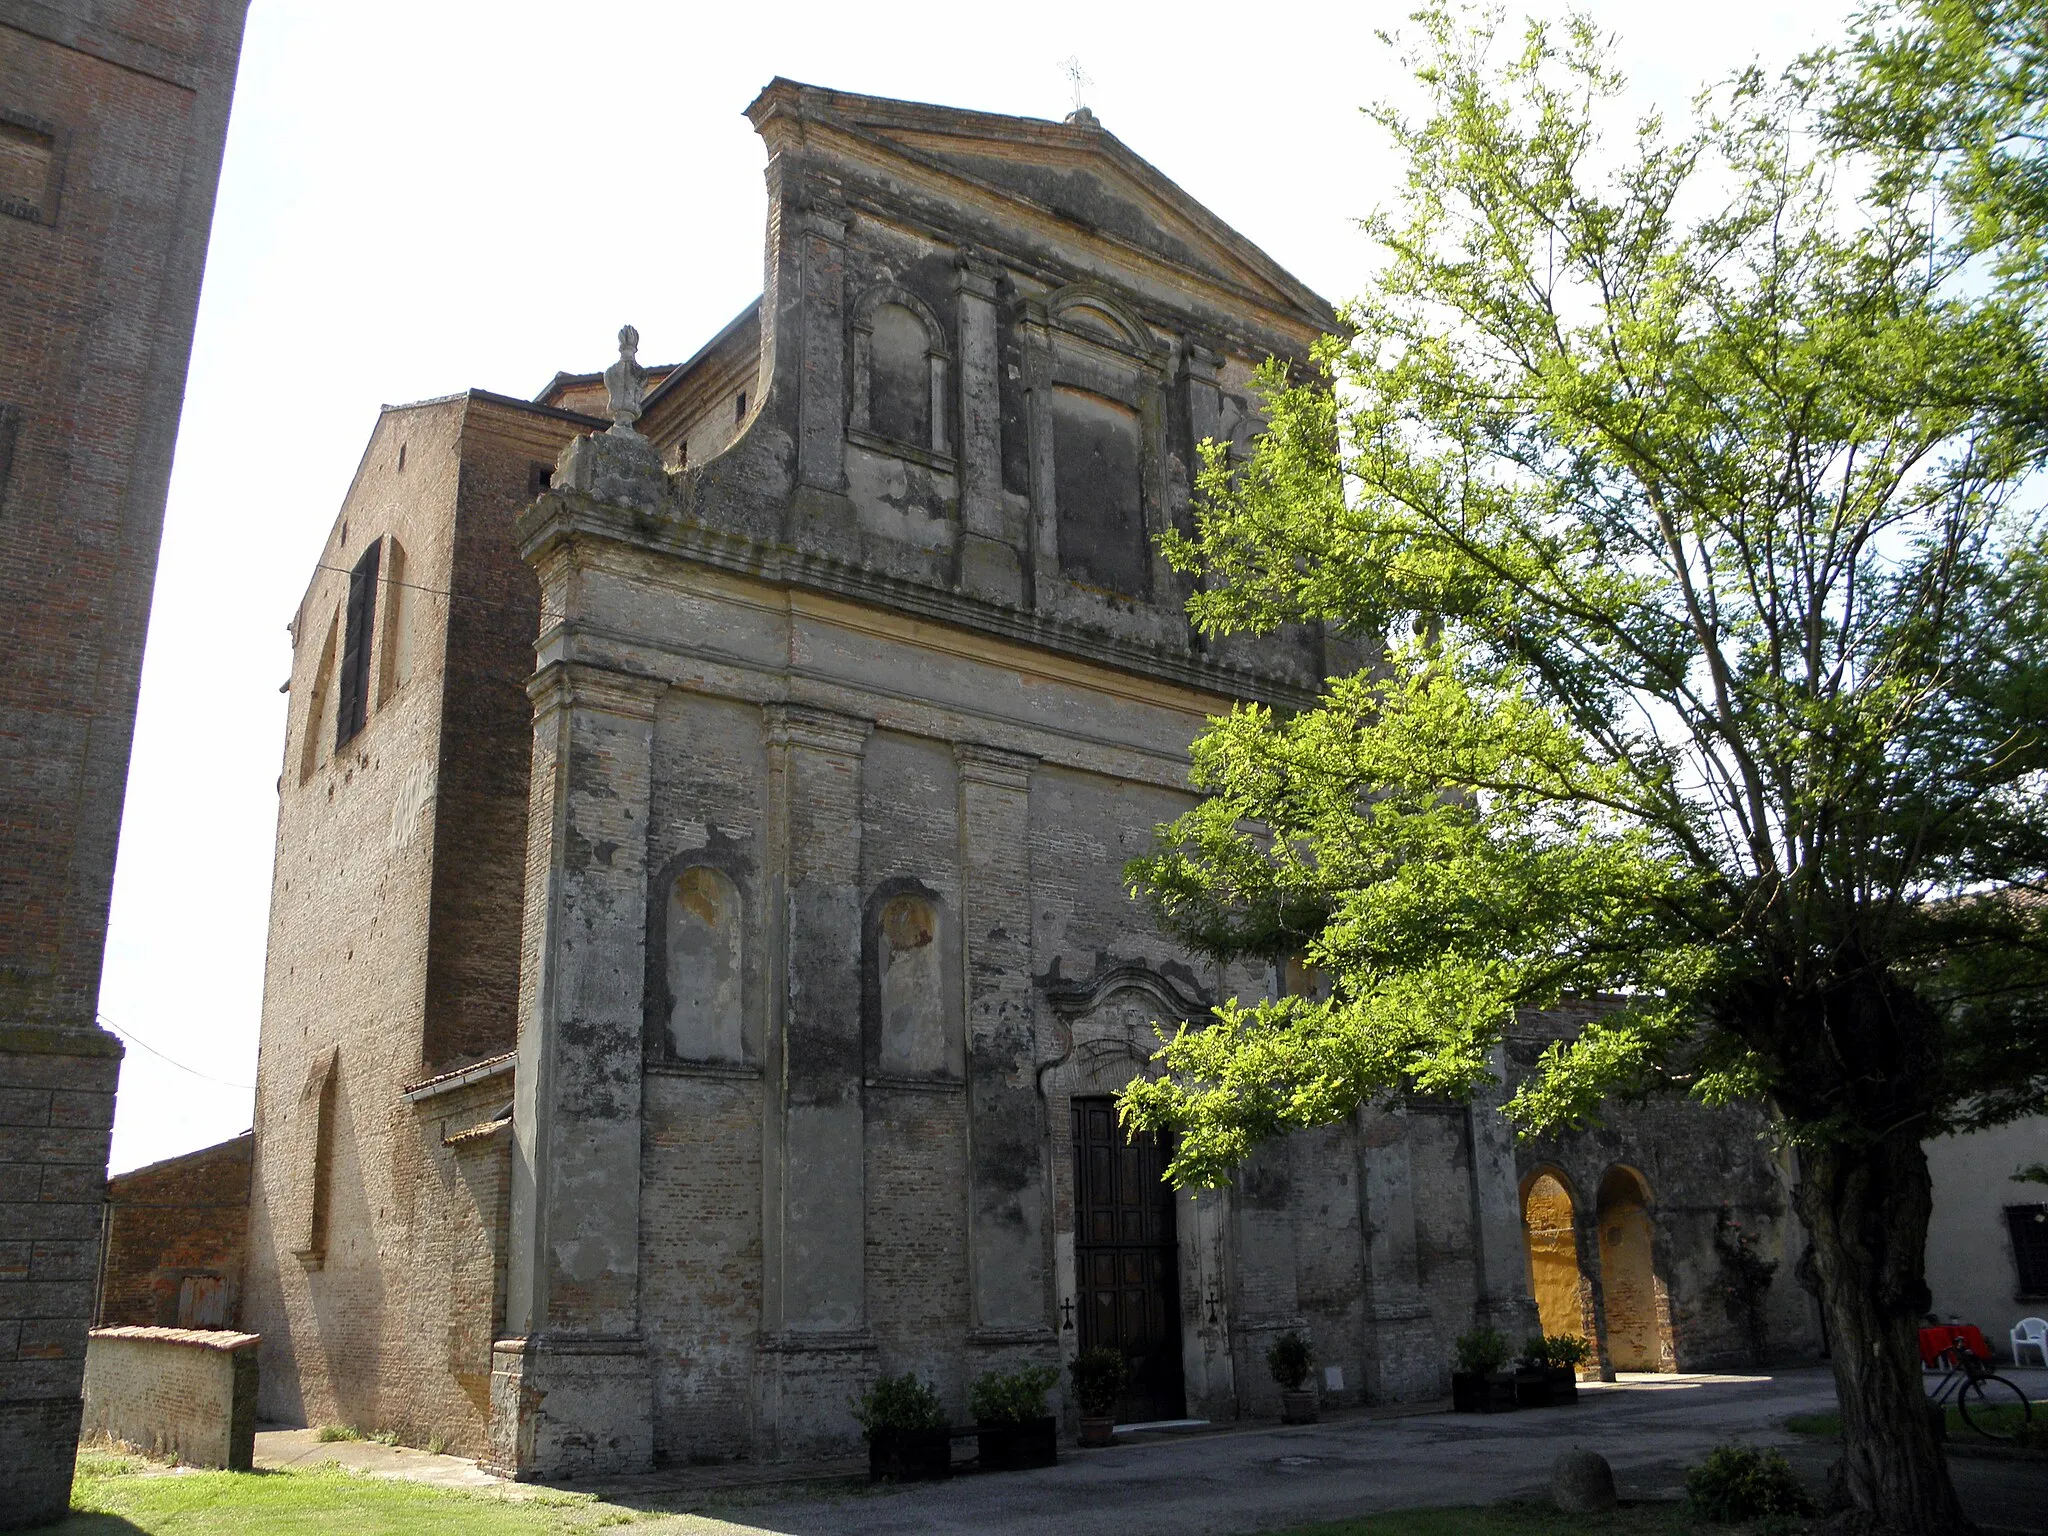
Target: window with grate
x,y
2029,1226
355,647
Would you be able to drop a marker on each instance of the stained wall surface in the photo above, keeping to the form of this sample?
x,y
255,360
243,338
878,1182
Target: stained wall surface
x,y
852,680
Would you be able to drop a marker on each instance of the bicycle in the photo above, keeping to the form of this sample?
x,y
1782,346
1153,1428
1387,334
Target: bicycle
x,y
1982,1396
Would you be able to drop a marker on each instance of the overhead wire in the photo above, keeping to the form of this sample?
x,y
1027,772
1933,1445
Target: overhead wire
x,y
132,1038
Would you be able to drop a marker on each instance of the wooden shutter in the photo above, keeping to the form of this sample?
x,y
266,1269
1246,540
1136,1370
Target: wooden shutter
x,y
355,649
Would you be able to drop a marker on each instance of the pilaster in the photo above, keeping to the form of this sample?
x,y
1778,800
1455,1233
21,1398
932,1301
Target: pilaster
x,y
814,1306
989,563
574,1395
1503,1258
1401,1351
821,387
1034,333
1007,1195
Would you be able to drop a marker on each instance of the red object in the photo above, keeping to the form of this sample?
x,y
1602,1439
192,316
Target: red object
x,y
1936,1342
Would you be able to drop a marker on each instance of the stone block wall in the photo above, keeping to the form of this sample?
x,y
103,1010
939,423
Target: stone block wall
x,y
180,1393
176,1233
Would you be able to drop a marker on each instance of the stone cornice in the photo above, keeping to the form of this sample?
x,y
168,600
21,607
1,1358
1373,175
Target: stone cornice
x,y
822,730
562,517
579,685
993,765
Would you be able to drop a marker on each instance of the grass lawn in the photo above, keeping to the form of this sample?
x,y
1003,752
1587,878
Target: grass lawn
x,y
120,1495
1828,1426
117,1494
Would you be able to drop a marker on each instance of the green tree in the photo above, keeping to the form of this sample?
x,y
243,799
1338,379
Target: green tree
x,y
1954,94
1710,677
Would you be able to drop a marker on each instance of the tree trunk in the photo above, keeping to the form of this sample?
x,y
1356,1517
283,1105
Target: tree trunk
x,y
1866,1211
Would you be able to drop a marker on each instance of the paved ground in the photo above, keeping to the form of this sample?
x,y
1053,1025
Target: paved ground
x,y
1234,1481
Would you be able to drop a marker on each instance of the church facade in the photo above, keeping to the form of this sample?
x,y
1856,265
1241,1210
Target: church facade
x,y
700,965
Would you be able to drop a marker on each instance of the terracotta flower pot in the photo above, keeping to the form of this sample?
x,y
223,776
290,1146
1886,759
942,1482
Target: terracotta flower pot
x,y
1098,1429
1298,1406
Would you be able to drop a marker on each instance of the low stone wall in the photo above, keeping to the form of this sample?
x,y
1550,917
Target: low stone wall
x,y
183,1392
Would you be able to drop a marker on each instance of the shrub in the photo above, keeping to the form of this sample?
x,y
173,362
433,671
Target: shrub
x,y
1482,1350
1288,1361
1560,1351
326,1434
1098,1377
1012,1397
1738,1482
898,1402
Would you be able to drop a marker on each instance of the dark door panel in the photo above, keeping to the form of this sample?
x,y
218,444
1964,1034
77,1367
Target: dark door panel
x,y
1126,1260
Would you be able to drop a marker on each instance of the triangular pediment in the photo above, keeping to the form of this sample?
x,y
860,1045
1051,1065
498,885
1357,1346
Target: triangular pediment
x,y
1079,173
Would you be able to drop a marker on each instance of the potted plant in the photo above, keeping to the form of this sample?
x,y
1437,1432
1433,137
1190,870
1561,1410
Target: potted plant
x,y
908,1440
1549,1373
1098,1381
1288,1360
1010,1421
1478,1384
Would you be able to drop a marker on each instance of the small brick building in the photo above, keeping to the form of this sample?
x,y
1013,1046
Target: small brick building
x,y
112,118
175,1235
700,966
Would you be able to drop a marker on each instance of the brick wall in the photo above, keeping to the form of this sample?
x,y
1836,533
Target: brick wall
x,y
174,1392
120,108
393,944
175,1236
56,1114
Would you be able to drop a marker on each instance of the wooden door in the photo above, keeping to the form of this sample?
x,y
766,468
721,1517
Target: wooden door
x,y
1126,1262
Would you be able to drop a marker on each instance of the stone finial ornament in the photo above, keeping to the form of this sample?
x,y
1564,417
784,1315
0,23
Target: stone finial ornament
x,y
626,383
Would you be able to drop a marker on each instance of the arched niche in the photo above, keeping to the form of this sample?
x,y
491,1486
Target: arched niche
x,y
1632,1294
704,966
1550,1232
910,983
899,362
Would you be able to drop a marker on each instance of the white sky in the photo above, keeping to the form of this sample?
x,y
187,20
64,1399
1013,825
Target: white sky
x,y
425,196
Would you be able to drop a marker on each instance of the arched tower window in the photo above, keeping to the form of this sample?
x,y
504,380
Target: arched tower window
x,y
706,1021
314,738
899,371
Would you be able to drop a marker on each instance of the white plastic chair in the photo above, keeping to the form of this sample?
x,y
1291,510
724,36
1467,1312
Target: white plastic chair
x,y
2030,1333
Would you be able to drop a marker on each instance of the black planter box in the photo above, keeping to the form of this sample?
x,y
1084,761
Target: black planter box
x,y
1564,1385
1533,1389
910,1455
1015,1447
1483,1391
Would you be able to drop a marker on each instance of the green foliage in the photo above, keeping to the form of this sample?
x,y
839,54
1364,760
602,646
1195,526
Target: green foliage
x,y
1011,1397
1737,1482
1956,92
1665,487
1098,1376
2033,1173
1481,1351
898,1402
1288,1360
328,1434
1560,1351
